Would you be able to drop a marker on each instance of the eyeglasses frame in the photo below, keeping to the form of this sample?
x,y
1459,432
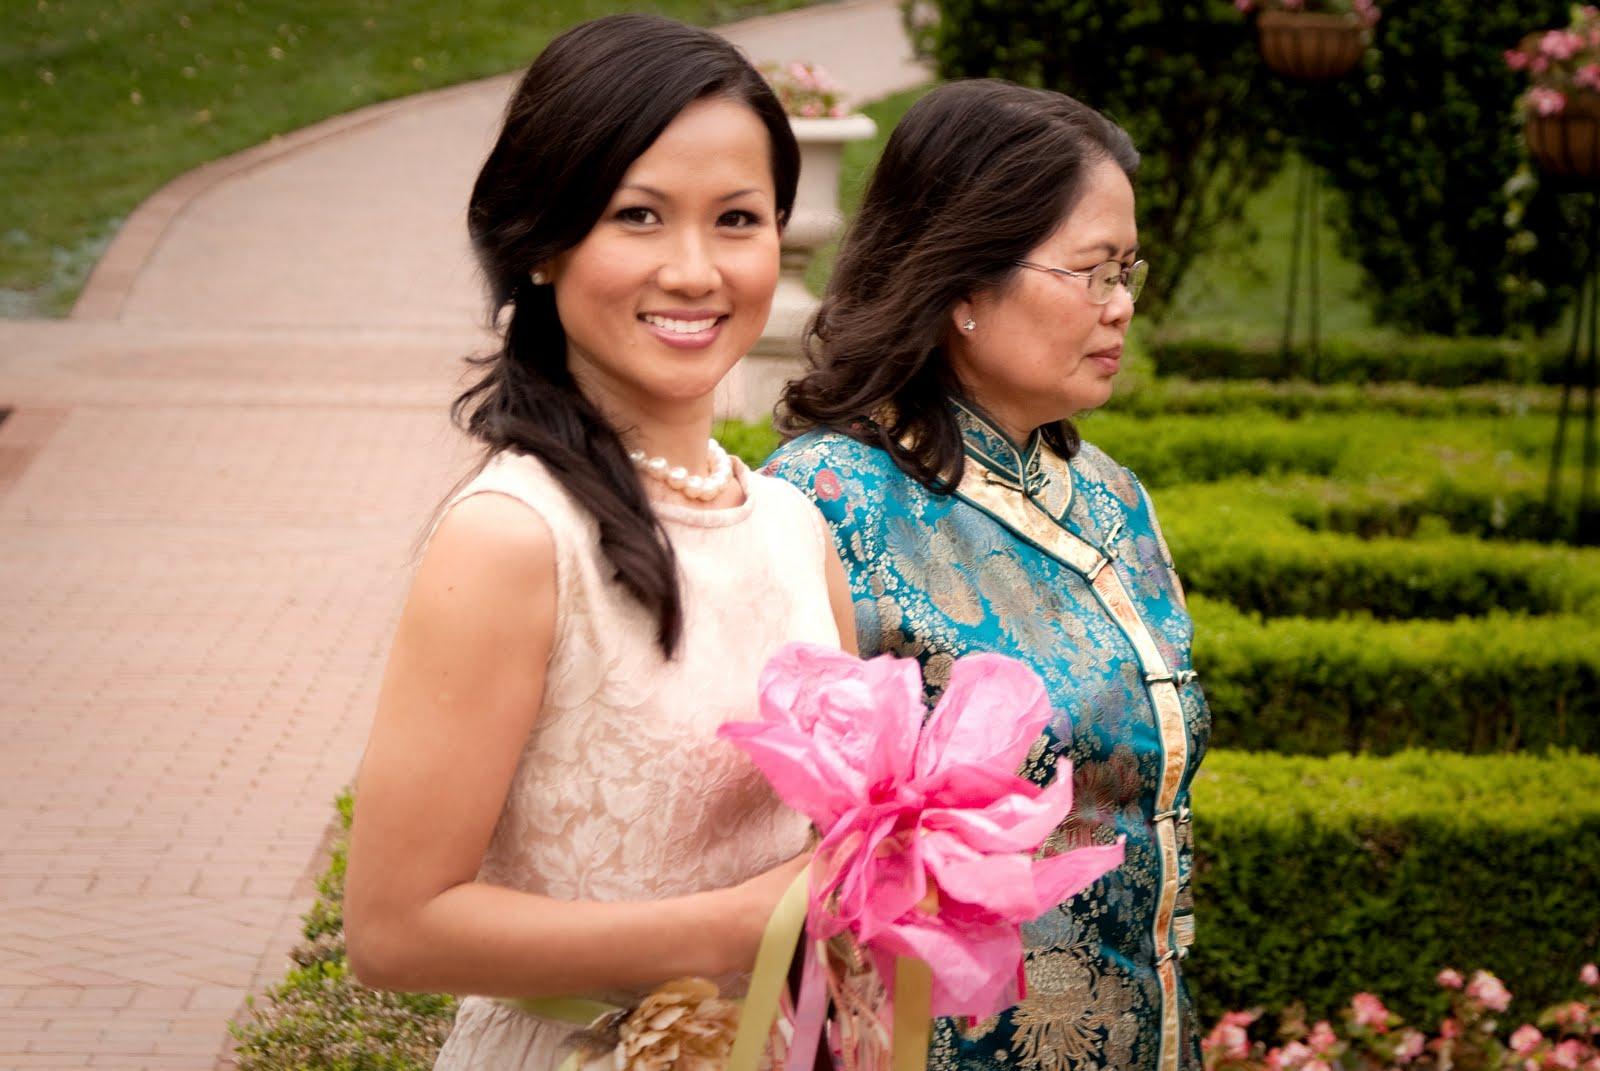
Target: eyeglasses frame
x,y
1122,279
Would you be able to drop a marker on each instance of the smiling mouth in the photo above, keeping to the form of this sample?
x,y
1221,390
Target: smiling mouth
x,y
682,327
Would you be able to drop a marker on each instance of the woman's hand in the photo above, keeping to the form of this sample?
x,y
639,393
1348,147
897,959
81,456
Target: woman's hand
x,y
749,905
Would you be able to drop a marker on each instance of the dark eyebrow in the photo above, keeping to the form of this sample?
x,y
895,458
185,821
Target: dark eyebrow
x,y
658,195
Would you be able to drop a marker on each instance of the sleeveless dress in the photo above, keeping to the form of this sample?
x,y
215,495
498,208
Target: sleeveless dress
x,y
622,791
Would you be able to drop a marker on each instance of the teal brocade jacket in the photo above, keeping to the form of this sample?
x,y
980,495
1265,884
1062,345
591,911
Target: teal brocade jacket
x,y
1060,564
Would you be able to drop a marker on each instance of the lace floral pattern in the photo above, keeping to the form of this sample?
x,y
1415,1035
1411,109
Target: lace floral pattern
x,y
623,791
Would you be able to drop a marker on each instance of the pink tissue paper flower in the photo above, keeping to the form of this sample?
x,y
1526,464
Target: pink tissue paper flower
x,y
928,834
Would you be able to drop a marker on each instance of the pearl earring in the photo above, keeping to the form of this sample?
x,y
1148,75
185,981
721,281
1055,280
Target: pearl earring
x,y
539,278
970,325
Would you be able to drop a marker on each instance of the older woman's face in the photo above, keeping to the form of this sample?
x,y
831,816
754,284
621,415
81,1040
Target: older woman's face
x,y
1040,350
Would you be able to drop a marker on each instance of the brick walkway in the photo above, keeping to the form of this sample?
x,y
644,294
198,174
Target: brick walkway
x,y
211,482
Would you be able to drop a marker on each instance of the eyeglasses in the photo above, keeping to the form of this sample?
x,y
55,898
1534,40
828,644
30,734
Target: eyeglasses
x,y
1103,278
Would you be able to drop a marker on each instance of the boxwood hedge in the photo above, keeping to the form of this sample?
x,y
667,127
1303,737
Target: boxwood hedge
x,y
1320,877
1502,682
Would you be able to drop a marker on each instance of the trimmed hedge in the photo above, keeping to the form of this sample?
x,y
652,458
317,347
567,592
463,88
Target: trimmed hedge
x,y
1318,878
1174,394
1317,687
1429,360
1182,448
1234,545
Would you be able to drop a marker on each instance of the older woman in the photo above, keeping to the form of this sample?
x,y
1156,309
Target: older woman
x,y
978,304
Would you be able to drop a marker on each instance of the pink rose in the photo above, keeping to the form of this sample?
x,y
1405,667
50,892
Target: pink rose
x,y
1449,1029
1568,1055
838,111
1370,1012
1293,1056
1547,101
1449,978
1526,1038
1246,6
1410,1047
1293,5
1560,44
1488,991
1573,1013
1234,1041
1322,1037
1589,975
1516,59
1588,77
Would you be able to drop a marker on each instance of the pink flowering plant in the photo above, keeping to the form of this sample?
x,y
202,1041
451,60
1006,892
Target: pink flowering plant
x,y
1365,11
805,90
1559,63
1369,1037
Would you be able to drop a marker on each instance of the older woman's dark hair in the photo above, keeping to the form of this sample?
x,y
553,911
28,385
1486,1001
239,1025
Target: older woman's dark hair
x,y
975,176
592,103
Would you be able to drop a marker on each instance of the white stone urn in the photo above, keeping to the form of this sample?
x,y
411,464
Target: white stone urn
x,y
753,386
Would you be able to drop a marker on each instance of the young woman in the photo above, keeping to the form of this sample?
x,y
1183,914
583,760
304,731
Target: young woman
x,y
978,304
543,808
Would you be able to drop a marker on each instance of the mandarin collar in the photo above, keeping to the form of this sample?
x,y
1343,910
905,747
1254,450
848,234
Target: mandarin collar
x,y
1033,469
991,448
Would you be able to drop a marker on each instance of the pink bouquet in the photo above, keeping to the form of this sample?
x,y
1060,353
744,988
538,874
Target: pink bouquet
x,y
928,834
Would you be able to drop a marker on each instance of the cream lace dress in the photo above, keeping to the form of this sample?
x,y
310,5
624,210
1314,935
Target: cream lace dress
x,y
623,791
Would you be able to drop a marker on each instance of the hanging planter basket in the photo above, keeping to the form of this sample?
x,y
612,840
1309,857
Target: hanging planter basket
x,y
1567,145
1310,47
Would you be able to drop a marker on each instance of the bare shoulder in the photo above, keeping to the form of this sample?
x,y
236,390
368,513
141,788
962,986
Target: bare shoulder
x,y
489,549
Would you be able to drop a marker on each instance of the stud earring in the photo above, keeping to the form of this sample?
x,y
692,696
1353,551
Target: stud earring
x,y
970,325
539,278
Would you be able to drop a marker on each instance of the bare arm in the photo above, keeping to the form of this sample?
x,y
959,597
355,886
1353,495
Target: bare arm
x,y
460,695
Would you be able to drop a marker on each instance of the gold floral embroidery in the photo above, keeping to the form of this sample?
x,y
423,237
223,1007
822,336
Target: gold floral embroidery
x,y
1067,1017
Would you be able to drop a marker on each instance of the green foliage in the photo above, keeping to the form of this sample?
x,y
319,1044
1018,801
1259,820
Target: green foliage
x,y
105,102
752,443
1180,75
320,1017
1318,878
1423,359
1174,394
1423,142
1246,548
1357,447
1501,682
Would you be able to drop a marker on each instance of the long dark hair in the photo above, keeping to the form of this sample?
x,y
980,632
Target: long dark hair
x,y
590,105
975,176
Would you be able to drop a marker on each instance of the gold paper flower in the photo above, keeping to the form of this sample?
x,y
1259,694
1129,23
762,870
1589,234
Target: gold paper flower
x,y
685,1025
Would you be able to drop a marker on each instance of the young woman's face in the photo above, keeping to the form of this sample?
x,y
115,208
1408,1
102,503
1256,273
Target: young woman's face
x,y
1040,350
674,283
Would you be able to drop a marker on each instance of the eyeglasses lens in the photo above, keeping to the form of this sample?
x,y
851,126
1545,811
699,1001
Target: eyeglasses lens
x,y
1103,282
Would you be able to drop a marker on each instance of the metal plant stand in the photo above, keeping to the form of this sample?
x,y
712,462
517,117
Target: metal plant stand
x,y
1307,216
1585,328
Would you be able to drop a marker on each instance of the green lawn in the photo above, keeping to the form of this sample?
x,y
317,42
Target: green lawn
x,y
102,103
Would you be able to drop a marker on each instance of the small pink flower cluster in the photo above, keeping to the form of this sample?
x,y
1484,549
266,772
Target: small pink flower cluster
x,y
1567,1037
805,90
1365,11
1559,63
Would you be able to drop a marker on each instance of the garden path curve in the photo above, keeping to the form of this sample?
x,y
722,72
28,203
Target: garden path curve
x,y
211,478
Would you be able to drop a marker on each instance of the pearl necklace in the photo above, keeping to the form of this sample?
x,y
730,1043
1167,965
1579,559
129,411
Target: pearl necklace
x,y
704,488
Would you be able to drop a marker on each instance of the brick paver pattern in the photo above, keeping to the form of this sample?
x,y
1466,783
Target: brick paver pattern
x,y
212,484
